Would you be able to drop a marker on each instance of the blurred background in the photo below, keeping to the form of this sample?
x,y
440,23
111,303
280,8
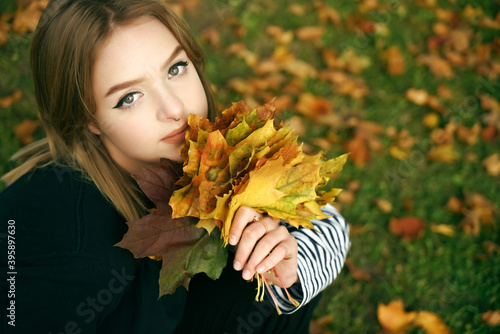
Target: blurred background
x,y
409,88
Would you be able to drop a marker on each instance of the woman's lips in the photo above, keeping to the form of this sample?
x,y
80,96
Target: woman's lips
x,y
176,136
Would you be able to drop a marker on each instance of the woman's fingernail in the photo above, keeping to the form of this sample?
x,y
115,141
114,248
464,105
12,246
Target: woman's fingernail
x,y
260,269
247,275
232,240
237,265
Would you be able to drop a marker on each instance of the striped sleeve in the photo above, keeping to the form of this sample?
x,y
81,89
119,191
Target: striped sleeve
x,y
321,257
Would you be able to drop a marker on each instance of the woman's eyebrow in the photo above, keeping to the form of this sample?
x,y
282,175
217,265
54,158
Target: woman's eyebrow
x,y
122,85
174,54
126,84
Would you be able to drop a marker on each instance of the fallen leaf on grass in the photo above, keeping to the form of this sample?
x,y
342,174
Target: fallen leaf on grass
x,y
460,39
357,229
212,36
444,136
440,29
492,318
310,33
435,104
354,63
393,316
367,6
489,133
431,322
472,14
280,35
360,153
354,185
346,84
444,92
491,105
398,153
444,229
318,326
447,15
406,227
315,107
297,9
357,273
7,101
478,211
330,57
431,120
492,164
455,205
393,60
417,96
27,19
370,131
240,50
443,153
437,65
489,23
346,197
469,136
384,205
300,69
327,14
24,131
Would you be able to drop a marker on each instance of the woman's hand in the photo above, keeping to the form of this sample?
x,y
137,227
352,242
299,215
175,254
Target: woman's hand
x,y
261,245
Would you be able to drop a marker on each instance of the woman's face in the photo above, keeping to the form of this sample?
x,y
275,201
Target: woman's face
x,y
145,87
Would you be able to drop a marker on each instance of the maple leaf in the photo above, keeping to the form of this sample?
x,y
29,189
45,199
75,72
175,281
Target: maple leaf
x,y
310,33
243,158
5,102
407,227
24,131
393,316
431,323
492,318
184,249
27,19
394,60
492,164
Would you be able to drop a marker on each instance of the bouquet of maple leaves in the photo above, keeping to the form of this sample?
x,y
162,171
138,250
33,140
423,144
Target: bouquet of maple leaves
x,y
242,158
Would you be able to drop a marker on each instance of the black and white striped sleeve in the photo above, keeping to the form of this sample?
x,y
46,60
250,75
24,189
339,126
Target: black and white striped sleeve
x,y
321,257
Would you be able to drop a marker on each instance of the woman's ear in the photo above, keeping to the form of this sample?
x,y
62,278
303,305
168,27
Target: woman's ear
x,y
94,129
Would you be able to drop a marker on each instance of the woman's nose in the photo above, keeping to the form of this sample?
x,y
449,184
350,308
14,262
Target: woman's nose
x,y
170,106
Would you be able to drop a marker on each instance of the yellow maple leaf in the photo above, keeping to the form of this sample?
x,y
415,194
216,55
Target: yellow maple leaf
x,y
243,159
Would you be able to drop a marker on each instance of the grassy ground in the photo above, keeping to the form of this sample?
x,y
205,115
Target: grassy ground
x,y
456,277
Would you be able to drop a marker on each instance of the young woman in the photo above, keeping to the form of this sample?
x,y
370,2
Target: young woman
x,y
115,81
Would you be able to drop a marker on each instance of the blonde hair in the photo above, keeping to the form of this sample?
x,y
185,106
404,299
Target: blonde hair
x,y
65,45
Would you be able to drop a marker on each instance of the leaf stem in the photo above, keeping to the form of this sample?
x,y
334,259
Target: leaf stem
x,y
272,295
293,301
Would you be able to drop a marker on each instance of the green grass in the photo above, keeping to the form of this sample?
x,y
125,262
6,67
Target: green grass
x,y
450,276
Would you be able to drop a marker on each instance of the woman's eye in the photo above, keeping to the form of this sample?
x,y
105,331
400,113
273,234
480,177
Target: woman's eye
x,y
127,100
177,69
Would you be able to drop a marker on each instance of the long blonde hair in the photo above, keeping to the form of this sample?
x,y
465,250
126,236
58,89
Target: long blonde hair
x,y
64,49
